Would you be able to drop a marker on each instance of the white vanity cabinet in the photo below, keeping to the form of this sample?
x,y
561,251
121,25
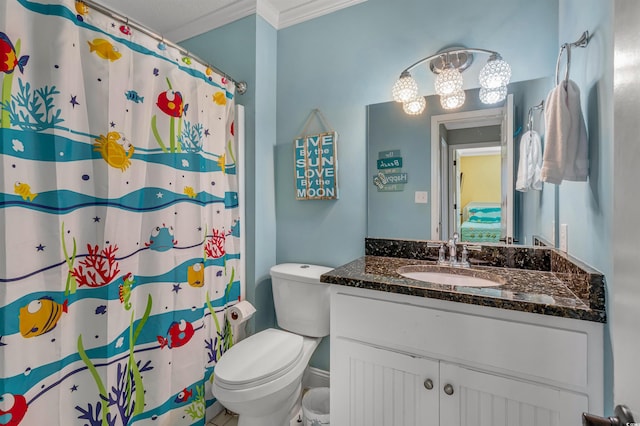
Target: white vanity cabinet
x,y
404,360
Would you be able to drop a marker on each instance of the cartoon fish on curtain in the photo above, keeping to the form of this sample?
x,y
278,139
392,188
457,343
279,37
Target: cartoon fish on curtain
x,y
125,251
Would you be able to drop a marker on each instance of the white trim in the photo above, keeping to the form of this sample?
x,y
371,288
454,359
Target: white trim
x,y
265,8
269,12
508,135
481,149
311,10
217,18
315,378
436,120
240,131
473,150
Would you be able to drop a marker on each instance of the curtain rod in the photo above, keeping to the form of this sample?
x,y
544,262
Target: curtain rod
x,y
241,86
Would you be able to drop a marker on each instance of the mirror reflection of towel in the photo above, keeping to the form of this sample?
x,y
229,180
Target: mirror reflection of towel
x,y
530,163
566,146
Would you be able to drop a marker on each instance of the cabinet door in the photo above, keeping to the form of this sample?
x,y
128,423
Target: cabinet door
x,y
482,399
378,387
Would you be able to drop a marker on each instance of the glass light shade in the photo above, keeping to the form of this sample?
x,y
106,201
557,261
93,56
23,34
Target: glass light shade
x,y
449,81
453,101
494,74
415,106
405,88
492,96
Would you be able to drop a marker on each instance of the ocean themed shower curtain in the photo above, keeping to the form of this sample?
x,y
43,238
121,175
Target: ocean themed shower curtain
x,y
119,226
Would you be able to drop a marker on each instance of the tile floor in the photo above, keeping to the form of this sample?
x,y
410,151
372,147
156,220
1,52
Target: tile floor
x,y
224,419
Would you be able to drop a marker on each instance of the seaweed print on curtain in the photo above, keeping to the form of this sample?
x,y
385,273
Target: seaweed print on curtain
x,y
118,219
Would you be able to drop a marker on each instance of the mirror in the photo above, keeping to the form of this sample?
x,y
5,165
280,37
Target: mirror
x,y
412,154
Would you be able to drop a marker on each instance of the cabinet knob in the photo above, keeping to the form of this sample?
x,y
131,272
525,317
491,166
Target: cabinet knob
x,y
448,389
428,384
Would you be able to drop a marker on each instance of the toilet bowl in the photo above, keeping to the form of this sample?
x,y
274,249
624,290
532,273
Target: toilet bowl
x,y
260,378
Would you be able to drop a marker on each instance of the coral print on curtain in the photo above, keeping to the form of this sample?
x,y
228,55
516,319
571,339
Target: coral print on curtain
x,y
119,222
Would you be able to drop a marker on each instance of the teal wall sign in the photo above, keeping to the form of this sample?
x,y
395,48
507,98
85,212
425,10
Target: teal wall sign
x,y
390,163
316,167
390,177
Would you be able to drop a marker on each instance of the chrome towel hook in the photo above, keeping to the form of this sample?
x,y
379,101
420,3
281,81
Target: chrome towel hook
x,y
583,41
530,117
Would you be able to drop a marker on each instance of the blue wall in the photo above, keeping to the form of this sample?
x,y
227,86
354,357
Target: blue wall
x,y
247,50
346,60
395,214
536,209
587,207
340,63
349,59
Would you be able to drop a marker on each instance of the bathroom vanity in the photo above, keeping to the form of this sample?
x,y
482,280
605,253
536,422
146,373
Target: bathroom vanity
x,y
527,351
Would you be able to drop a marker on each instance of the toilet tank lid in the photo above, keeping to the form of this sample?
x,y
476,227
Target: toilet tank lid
x,y
299,271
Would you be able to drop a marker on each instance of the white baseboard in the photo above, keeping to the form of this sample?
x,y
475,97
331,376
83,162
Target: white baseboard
x,y
315,378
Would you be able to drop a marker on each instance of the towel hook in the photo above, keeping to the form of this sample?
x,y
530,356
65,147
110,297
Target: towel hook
x,y
530,118
581,42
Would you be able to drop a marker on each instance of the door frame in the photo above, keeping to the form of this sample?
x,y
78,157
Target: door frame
x,y
454,186
460,120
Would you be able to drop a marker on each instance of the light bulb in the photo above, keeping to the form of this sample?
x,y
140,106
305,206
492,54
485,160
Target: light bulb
x,y
405,88
492,96
449,81
415,106
453,101
495,73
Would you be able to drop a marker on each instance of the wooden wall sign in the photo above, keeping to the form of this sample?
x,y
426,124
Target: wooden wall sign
x,y
316,166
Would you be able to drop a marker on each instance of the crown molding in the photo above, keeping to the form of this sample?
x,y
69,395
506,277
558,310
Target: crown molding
x,y
265,8
313,9
268,12
223,16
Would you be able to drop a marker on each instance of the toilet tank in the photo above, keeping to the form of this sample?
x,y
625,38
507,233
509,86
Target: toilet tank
x,y
300,299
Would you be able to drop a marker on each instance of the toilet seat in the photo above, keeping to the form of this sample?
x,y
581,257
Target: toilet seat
x,y
259,359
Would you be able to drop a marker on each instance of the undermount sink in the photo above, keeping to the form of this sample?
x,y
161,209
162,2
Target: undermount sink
x,y
450,276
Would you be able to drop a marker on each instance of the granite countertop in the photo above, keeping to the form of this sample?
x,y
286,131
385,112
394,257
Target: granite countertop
x,y
569,291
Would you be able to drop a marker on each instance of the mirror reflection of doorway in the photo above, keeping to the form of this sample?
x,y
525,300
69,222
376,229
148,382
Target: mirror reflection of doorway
x,y
475,191
481,129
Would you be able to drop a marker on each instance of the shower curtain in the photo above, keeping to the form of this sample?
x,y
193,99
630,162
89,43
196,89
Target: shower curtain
x,y
119,224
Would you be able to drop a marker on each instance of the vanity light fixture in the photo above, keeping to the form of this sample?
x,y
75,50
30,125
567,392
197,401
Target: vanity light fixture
x,y
448,65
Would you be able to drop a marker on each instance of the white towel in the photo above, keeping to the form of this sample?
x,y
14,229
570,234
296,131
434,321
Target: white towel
x,y
530,163
566,145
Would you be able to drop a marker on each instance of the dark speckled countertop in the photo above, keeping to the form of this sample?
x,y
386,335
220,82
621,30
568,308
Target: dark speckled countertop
x,y
537,280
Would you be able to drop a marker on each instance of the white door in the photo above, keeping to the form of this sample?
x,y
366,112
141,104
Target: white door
x,y
506,131
482,399
379,387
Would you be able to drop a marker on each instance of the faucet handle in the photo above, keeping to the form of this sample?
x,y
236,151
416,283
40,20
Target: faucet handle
x,y
442,259
464,261
455,238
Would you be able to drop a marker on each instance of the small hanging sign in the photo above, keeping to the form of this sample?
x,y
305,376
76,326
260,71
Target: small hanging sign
x,y
390,177
316,163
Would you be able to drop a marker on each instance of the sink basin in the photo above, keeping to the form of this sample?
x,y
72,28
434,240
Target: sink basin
x,y
450,276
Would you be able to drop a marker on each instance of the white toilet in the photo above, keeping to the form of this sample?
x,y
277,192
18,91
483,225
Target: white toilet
x,y
260,378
